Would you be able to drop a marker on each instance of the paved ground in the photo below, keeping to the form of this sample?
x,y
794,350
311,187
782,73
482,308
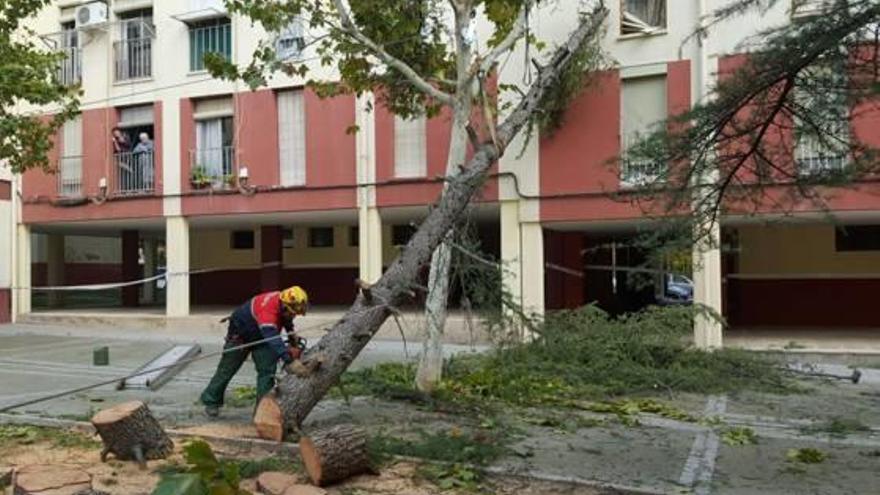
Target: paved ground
x,y
659,455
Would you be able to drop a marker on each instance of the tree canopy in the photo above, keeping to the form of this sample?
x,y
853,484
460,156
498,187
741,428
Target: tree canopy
x,y
29,76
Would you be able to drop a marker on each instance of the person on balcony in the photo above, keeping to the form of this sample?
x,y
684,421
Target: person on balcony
x,y
121,143
261,318
143,155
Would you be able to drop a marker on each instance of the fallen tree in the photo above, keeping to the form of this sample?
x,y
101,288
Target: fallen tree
x,y
298,395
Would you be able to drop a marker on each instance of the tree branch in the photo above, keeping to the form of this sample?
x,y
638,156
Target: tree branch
x,y
516,32
350,28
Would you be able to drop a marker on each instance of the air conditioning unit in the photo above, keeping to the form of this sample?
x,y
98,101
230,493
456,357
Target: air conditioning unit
x,y
91,15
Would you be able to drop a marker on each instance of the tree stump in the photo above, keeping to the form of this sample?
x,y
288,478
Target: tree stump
x,y
130,432
335,454
268,419
50,480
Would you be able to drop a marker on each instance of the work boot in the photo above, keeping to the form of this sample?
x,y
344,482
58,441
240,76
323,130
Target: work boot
x,y
212,411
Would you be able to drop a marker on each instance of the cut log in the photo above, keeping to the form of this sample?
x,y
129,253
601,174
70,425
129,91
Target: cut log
x,y
131,432
304,490
268,419
50,480
335,454
274,483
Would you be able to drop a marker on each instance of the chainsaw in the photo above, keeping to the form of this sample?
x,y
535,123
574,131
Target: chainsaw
x,y
296,345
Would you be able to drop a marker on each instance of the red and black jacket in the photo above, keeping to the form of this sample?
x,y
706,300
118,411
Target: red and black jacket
x,y
262,317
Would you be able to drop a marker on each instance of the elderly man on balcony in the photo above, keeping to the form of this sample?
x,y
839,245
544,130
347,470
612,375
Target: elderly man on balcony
x,y
143,155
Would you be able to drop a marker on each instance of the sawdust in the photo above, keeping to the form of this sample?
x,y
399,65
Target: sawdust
x,y
224,430
126,478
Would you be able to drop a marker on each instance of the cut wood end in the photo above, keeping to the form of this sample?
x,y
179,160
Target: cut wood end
x,y
311,459
268,419
115,413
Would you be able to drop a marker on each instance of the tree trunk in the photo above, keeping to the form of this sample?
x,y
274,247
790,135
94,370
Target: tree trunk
x,y
345,340
335,454
131,432
268,419
431,362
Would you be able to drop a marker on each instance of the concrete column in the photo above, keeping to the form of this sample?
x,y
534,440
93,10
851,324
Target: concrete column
x,y
707,289
370,244
150,253
177,254
55,268
131,268
532,267
271,257
511,251
23,280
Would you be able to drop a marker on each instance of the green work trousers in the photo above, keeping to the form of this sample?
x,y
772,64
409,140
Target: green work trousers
x,y
265,360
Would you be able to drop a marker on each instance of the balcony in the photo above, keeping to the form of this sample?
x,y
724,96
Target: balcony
x,y
214,168
639,173
814,157
134,173
70,177
133,59
70,68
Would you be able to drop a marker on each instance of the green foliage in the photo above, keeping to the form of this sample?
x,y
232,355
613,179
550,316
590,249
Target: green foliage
x,y
206,474
455,446
739,436
450,477
806,455
243,396
251,468
837,428
15,435
29,76
584,354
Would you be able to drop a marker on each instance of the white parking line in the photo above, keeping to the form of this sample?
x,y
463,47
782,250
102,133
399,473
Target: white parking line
x,y
700,464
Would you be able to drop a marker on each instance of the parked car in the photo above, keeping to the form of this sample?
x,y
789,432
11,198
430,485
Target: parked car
x,y
678,289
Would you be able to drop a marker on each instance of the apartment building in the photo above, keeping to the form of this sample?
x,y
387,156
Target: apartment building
x,y
232,191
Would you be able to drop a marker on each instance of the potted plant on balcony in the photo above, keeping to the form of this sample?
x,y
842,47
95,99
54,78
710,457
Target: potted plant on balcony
x,y
229,181
199,178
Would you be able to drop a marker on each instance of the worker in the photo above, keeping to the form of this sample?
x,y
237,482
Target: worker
x,y
262,317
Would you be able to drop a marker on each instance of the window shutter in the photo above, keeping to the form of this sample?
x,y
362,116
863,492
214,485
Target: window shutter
x,y
71,139
136,116
644,106
410,147
213,108
292,137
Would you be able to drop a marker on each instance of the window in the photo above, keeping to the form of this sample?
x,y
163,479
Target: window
x,y
321,237
643,107
242,239
822,121
291,41
214,156
857,238
292,137
401,234
133,53
287,238
642,16
410,149
133,154
212,36
70,69
354,239
70,163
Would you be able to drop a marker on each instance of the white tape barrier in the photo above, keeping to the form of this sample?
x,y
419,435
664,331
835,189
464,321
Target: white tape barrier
x,y
129,283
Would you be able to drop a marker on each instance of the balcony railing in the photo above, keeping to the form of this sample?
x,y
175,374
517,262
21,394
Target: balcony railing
x,y
70,68
133,59
70,177
134,173
639,173
816,158
213,167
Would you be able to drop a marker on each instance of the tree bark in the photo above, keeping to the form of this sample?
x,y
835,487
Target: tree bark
x,y
345,340
430,370
131,432
335,454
